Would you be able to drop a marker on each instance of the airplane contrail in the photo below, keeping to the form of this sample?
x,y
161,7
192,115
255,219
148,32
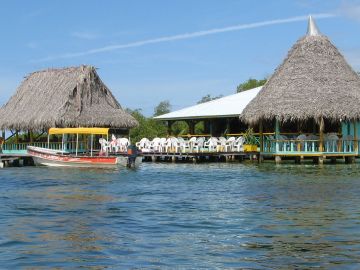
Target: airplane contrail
x,y
186,36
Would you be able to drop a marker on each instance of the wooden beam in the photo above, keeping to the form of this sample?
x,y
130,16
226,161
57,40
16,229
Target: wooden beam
x,y
227,125
321,133
31,137
169,131
261,136
277,134
191,125
211,127
356,145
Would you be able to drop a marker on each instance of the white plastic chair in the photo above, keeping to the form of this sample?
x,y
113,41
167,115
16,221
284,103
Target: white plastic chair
x,y
155,145
312,142
284,143
199,144
182,145
105,146
113,146
175,144
301,140
162,144
229,144
123,144
171,144
239,144
191,144
221,144
143,145
331,140
211,144
348,143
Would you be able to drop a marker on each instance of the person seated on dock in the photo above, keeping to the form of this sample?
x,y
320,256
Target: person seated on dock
x,y
2,140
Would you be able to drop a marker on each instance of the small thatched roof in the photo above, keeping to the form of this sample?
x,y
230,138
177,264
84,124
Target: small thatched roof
x,y
68,97
314,81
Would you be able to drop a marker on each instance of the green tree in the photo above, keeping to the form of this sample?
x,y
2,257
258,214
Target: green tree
x,y
208,98
250,84
163,108
148,127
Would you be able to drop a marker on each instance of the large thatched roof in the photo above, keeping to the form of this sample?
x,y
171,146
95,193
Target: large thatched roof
x,y
314,81
68,97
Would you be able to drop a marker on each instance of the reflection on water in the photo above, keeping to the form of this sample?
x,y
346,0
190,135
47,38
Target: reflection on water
x,y
183,215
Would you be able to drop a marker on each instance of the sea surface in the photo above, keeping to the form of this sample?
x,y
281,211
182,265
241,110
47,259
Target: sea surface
x,y
181,216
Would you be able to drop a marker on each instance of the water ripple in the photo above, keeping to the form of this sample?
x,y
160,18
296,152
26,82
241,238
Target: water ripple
x,y
183,216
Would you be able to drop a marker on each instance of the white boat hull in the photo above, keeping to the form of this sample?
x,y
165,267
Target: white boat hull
x,y
53,158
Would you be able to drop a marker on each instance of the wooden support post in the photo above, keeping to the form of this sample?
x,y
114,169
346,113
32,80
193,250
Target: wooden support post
x,y
356,145
17,140
321,133
319,160
261,136
191,125
211,127
77,143
31,136
277,135
349,160
227,126
91,144
169,131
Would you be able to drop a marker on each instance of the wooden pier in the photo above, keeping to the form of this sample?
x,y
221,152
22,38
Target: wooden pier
x,y
199,156
15,160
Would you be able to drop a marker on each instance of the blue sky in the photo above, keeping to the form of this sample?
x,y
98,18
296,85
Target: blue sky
x,y
39,34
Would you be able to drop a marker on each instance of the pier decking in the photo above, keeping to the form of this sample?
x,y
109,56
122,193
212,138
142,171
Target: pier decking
x,y
199,156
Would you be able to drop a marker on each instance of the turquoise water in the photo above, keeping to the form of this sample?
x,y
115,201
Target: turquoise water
x,y
181,216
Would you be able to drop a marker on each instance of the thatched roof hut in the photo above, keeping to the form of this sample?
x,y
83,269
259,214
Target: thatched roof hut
x,y
67,97
313,82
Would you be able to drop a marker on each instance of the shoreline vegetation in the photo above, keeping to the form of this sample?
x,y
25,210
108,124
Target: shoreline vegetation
x,y
151,128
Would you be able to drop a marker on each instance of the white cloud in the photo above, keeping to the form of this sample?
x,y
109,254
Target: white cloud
x,y
183,36
85,35
350,9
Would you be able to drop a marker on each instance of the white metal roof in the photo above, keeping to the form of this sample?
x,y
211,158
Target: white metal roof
x,y
229,106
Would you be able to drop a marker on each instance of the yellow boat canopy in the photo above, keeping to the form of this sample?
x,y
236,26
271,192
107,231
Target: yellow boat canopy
x,y
95,131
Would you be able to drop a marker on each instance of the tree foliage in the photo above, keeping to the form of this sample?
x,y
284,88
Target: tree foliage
x,y
208,98
163,108
250,84
148,127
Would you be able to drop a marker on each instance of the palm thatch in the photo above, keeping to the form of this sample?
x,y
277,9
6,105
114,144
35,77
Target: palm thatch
x,y
313,82
68,97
